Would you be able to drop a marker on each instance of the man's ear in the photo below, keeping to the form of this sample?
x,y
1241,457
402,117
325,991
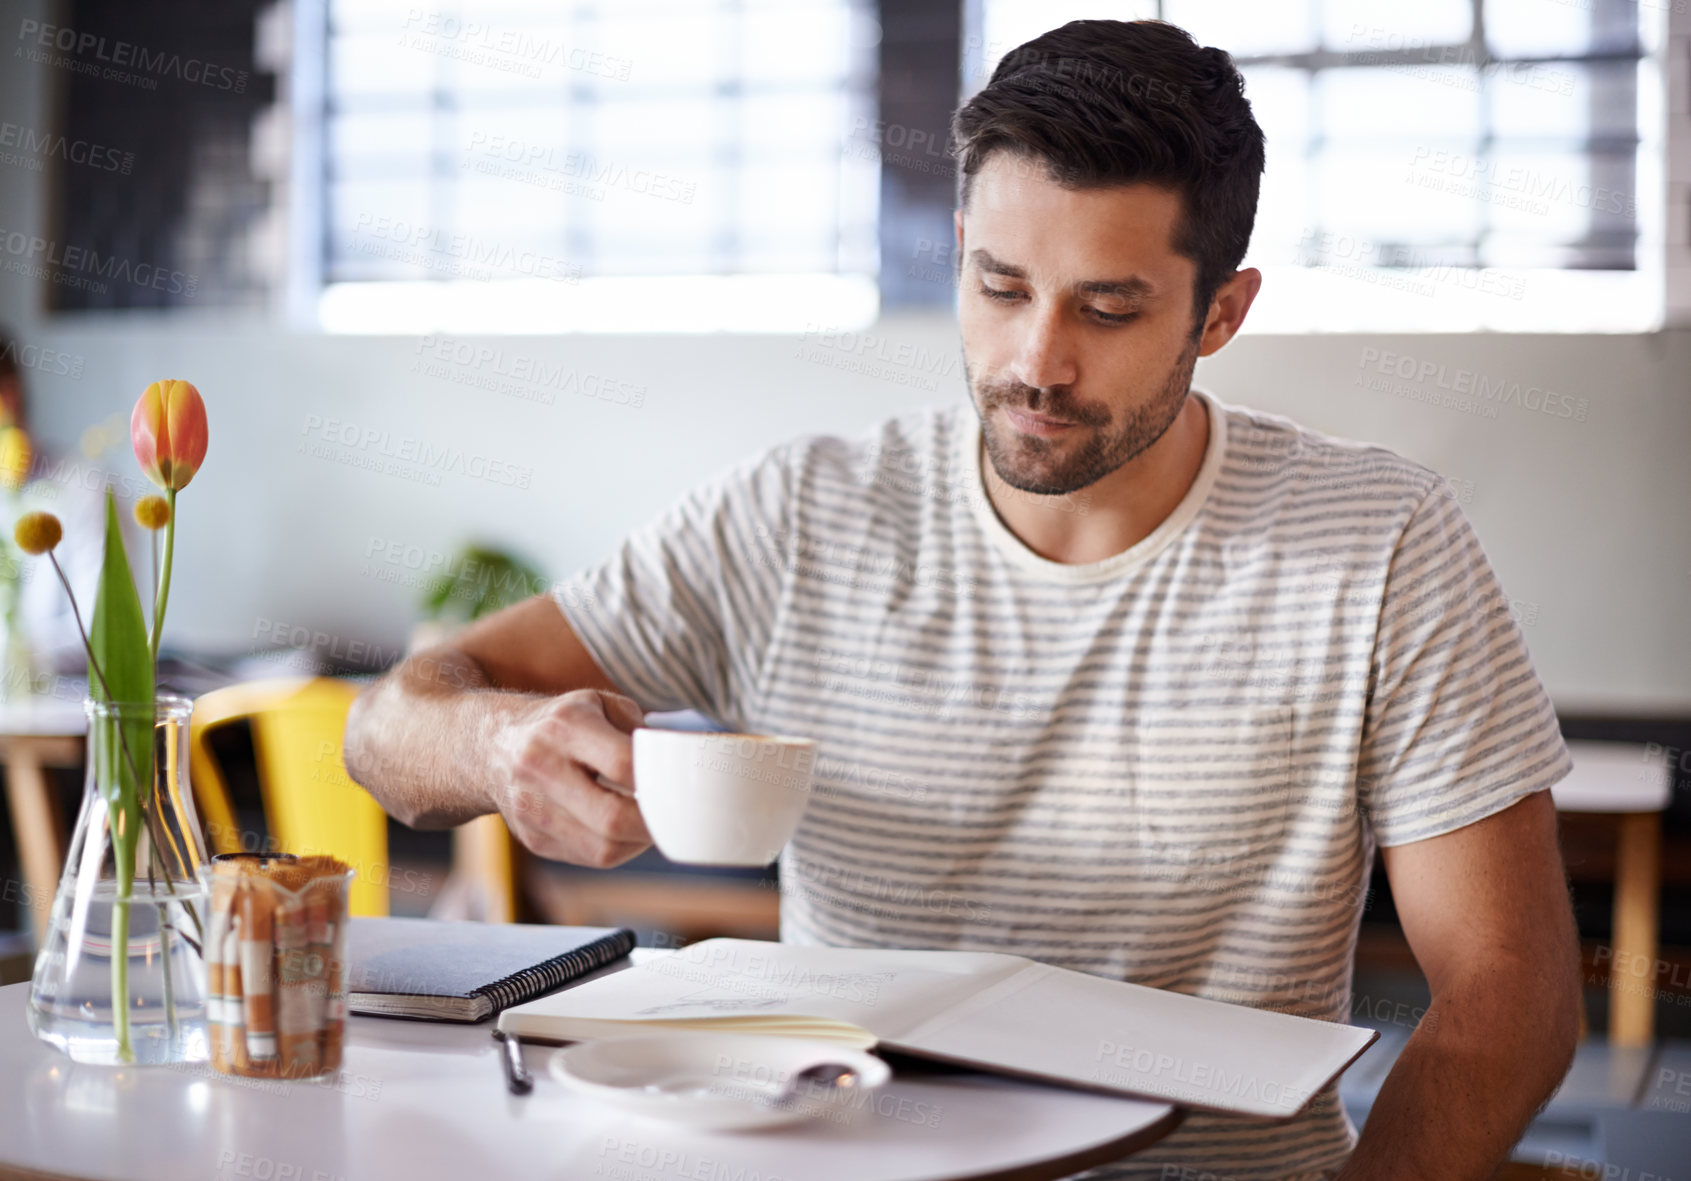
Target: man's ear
x,y
1227,309
957,258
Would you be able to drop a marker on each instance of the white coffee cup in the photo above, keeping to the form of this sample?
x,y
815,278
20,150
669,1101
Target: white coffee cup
x,y
721,799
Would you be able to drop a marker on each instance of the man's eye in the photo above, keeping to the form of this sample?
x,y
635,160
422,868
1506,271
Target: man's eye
x,y
1114,317
1002,295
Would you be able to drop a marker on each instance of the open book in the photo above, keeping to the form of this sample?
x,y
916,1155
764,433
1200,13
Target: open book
x,y
1001,1013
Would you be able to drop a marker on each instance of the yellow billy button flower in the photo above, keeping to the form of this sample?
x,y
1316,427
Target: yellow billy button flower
x,y
151,512
15,457
37,533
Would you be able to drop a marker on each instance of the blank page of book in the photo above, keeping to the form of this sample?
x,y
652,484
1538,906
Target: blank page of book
x,y
1053,1023
734,983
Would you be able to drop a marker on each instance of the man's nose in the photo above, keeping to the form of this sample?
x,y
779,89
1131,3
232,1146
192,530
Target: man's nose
x,y
1046,356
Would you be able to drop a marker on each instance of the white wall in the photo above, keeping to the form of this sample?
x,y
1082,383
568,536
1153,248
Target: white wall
x,y
1588,523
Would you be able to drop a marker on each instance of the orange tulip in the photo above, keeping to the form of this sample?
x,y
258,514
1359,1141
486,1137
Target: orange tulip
x,y
168,430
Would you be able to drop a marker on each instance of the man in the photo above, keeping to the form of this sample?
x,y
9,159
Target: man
x,y
45,623
1107,672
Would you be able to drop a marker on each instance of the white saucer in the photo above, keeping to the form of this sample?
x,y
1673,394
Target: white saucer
x,y
711,1081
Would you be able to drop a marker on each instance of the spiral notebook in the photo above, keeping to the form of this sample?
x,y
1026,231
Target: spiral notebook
x,y
461,971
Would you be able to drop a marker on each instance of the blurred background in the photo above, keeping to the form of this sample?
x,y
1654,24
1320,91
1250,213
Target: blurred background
x,y
473,290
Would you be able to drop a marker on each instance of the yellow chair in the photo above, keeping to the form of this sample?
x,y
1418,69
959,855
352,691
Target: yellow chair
x,y
311,805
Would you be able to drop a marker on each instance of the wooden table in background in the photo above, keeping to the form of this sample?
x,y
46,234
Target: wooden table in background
x,y
1632,784
35,734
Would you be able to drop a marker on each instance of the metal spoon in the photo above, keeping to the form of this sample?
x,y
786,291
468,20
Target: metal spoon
x,y
824,1074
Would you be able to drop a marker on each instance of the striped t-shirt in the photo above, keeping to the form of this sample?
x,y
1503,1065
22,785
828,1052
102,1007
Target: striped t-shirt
x,y
1171,766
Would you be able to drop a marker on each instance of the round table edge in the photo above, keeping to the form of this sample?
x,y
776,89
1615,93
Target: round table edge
x,y
1050,1169
1070,1163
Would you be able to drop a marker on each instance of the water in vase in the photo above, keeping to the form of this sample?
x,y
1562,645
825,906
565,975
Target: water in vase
x,y
71,1004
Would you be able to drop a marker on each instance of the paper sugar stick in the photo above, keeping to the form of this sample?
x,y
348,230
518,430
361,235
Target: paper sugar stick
x,y
217,1021
234,1007
326,920
223,999
257,950
296,1034
319,931
334,1014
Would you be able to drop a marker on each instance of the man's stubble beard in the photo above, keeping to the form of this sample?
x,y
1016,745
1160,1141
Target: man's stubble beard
x,y
1020,460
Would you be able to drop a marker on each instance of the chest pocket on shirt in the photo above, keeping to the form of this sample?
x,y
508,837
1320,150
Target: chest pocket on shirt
x,y
1213,789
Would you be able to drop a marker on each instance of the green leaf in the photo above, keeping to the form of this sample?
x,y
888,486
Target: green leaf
x,y
124,747
480,581
438,591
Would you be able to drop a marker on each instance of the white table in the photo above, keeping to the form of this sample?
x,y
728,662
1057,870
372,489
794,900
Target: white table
x,y
416,1101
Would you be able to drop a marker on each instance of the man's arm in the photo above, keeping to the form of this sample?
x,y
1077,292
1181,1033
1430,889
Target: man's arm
x,y
511,716
1486,912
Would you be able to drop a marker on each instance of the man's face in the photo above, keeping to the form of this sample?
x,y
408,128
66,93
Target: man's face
x,y
1077,322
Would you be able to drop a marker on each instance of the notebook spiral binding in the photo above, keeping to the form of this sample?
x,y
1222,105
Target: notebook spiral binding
x,y
531,982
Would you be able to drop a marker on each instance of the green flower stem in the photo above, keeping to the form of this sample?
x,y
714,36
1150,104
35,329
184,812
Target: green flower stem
x,y
123,838
123,846
167,942
163,595
93,664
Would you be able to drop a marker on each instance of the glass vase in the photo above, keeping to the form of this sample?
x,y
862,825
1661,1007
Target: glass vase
x,y
119,977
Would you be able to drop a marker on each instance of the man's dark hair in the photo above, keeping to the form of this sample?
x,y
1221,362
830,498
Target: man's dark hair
x,y
8,353
1102,103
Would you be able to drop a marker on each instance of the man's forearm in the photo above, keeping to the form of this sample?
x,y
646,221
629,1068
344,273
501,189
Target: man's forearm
x,y
1489,1052
423,740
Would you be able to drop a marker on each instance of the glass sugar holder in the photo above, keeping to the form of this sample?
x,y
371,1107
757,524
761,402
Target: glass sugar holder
x,y
275,964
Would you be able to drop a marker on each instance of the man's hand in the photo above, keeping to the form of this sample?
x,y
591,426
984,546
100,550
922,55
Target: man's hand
x,y
512,716
551,759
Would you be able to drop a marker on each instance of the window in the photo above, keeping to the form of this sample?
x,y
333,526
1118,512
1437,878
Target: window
x,y
160,190
1433,165
642,165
